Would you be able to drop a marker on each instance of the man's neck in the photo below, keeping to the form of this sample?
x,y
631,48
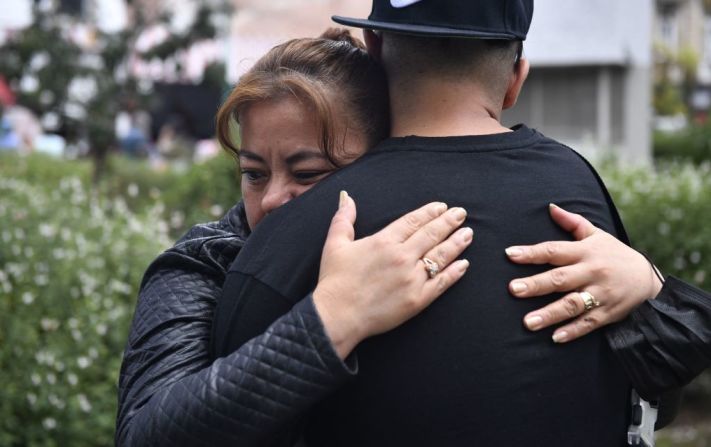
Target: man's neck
x,y
443,109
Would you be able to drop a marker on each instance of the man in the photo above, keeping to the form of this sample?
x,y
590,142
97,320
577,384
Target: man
x,y
466,371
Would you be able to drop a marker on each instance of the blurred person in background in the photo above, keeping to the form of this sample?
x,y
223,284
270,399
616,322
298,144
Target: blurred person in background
x,y
133,127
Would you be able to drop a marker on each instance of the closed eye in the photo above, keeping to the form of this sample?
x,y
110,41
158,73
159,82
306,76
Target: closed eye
x,y
253,176
311,176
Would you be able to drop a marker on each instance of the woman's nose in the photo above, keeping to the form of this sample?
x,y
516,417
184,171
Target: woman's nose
x,y
275,196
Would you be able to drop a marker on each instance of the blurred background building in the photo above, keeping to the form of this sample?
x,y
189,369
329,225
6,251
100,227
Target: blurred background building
x,y
598,65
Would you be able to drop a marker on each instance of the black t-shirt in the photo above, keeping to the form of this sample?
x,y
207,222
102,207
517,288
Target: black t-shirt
x,y
465,371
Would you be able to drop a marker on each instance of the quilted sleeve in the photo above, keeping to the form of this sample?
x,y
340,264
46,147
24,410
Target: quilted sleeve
x,y
665,342
169,391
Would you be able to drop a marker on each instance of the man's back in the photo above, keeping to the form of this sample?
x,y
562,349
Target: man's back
x,y
465,371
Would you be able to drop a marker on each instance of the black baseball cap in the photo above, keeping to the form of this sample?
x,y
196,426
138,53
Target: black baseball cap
x,y
481,19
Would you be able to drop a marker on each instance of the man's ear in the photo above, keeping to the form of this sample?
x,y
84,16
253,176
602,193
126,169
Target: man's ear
x,y
516,84
373,42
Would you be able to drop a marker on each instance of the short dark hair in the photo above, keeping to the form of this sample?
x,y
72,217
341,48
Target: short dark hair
x,y
488,61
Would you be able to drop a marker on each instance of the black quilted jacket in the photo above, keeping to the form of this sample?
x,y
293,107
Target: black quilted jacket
x,y
169,392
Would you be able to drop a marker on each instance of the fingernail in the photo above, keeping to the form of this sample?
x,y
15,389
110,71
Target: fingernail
x,y
514,252
441,208
518,286
462,265
533,322
459,213
342,199
560,337
466,234
553,205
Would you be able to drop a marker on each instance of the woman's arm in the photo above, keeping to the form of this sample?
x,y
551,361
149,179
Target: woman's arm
x,y
663,337
170,393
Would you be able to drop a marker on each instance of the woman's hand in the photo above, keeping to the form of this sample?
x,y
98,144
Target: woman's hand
x,y
372,285
618,277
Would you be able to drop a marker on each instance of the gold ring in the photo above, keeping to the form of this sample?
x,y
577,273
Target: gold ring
x,y
589,301
431,267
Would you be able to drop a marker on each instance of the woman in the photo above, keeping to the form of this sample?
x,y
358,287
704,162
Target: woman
x,y
171,393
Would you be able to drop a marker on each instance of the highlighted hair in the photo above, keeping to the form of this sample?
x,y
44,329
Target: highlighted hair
x,y
317,72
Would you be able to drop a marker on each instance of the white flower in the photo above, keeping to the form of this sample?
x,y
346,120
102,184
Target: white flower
x,y
82,89
56,401
31,399
41,279
28,298
51,378
700,277
83,362
695,257
101,329
76,335
47,230
132,190
216,210
84,403
35,379
72,379
49,324
58,253
49,423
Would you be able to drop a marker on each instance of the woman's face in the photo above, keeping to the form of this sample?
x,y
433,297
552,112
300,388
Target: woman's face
x,y
279,155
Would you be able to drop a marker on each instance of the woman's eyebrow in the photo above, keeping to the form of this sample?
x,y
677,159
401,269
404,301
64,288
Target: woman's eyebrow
x,y
243,153
303,155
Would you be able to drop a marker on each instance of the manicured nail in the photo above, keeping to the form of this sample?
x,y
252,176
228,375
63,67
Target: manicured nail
x,y
342,199
518,286
441,208
553,205
533,322
466,234
514,252
462,265
459,213
560,337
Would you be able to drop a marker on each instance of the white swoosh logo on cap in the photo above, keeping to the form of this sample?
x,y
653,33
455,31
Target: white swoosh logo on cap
x,y
403,3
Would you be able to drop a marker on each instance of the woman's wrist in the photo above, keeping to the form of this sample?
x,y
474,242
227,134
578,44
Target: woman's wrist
x,y
340,326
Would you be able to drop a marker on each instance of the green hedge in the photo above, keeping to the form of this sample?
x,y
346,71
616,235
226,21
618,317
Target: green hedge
x,y
69,269
692,144
71,263
667,213
185,196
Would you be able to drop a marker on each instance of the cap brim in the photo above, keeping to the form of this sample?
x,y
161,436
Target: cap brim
x,y
422,30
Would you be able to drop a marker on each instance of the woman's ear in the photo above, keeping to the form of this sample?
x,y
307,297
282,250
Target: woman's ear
x,y
516,84
373,42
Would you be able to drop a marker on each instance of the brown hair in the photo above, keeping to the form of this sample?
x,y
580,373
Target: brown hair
x,y
318,72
